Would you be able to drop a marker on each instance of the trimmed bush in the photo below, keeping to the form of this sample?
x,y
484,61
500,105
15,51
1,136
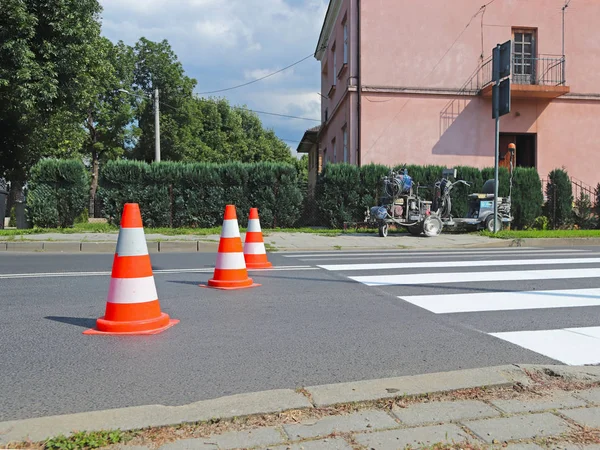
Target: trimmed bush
x,y
344,192
559,194
527,198
173,194
337,194
583,213
58,192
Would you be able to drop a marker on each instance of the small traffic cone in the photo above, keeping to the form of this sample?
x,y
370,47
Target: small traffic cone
x,y
230,269
132,305
254,246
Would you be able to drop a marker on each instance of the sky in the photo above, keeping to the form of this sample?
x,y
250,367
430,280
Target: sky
x,y
224,43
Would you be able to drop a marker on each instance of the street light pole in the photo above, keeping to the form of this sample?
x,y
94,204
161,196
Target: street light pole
x,y
156,127
156,120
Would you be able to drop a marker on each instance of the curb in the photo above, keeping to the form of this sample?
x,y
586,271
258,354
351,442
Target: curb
x,y
280,400
173,246
105,247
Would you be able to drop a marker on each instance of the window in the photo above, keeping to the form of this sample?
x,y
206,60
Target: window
x,y
334,64
345,42
324,157
334,147
524,56
345,132
326,114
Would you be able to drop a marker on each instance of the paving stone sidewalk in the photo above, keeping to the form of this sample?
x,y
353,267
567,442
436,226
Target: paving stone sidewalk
x,y
555,419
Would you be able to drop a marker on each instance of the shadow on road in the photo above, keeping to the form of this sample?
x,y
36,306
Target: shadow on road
x,y
83,322
191,283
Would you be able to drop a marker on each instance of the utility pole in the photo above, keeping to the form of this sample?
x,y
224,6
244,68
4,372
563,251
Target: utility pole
x,y
156,127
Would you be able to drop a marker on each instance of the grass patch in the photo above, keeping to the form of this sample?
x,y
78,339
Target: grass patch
x,y
537,234
85,440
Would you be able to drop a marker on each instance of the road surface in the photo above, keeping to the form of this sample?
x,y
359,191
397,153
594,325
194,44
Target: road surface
x,y
317,318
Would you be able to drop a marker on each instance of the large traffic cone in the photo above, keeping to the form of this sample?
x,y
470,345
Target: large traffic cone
x,y
254,246
132,305
230,269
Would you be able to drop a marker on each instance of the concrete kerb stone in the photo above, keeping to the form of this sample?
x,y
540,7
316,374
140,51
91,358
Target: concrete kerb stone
x,y
276,401
358,391
39,429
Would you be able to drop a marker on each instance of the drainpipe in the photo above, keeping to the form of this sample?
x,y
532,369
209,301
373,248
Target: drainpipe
x,y
358,89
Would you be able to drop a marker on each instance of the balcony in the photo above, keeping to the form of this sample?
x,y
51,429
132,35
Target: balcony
x,y
541,77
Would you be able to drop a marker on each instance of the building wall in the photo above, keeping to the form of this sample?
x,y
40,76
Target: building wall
x,y
403,47
404,42
341,107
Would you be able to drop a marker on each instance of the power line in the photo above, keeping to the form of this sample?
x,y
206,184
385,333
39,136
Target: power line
x,y
254,111
258,79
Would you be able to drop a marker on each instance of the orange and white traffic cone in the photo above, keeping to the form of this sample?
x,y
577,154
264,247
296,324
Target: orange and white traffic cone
x,y
132,305
230,269
254,245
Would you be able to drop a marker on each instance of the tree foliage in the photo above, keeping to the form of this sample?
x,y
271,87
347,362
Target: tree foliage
x,y
46,49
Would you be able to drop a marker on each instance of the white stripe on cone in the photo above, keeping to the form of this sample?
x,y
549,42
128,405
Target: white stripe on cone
x,y
254,248
230,261
230,229
132,242
254,226
132,290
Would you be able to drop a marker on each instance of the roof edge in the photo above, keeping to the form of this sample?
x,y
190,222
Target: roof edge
x,y
333,10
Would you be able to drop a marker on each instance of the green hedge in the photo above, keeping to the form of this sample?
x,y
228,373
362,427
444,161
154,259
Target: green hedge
x,y
194,195
58,192
345,192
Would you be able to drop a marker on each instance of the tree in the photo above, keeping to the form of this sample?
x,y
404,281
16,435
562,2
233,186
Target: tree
x,y
157,67
110,111
559,194
46,47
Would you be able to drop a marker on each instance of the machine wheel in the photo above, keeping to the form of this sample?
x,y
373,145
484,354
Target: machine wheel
x,y
432,226
489,223
415,230
383,230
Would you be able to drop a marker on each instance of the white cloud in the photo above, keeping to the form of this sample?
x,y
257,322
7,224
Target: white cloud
x,y
224,43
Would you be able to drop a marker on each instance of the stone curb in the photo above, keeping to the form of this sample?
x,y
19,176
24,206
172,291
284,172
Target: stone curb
x,y
174,246
105,247
275,401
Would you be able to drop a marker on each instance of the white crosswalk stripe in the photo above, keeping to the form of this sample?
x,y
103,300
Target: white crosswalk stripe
x,y
463,272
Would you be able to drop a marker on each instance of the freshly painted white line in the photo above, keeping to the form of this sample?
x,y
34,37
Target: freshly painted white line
x,y
381,256
131,242
573,346
468,277
432,252
505,301
9,276
442,264
587,331
132,290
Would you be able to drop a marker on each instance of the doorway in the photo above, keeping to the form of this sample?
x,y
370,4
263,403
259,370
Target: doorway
x,y
525,153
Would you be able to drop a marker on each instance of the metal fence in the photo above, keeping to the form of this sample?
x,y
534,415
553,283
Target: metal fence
x,y
544,70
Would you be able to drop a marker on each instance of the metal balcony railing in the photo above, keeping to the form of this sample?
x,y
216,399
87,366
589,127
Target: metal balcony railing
x,y
545,70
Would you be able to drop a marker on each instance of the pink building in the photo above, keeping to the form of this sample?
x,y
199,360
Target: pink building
x,y
405,81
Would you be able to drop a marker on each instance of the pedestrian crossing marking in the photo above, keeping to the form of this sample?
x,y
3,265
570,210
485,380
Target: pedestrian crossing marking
x,y
443,264
469,277
572,346
505,301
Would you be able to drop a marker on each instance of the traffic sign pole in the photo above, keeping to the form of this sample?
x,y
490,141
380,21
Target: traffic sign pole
x,y
501,65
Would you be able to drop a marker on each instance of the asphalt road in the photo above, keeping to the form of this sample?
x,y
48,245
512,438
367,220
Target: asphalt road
x,y
305,325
